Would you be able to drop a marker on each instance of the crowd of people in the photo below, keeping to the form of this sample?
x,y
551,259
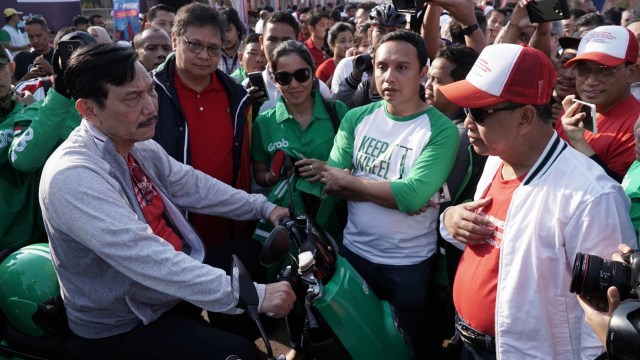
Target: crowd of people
x,y
449,158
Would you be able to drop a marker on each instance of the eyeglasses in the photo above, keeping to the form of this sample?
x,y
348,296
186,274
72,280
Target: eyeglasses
x,y
599,72
30,17
142,183
196,48
479,116
284,78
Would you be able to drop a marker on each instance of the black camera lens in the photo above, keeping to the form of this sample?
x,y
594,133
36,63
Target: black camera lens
x,y
363,62
593,275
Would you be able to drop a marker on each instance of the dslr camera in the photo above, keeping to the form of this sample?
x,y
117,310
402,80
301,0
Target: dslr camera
x,y
363,62
593,275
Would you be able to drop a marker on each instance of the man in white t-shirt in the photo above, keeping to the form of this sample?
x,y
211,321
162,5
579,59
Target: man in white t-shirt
x,y
11,37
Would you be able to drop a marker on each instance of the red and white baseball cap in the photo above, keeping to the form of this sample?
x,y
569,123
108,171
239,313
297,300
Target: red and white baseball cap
x,y
609,45
505,72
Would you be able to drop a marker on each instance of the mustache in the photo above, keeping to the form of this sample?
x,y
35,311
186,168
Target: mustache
x,y
148,121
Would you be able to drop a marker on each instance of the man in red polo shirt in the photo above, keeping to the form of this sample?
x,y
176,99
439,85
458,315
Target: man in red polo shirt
x,y
604,69
203,113
318,24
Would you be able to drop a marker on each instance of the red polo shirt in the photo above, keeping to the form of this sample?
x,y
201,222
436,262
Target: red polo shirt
x,y
211,147
316,54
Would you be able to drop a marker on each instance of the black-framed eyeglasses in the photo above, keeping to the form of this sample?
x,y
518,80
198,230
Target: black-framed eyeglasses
x,y
284,78
31,17
196,48
599,72
142,183
480,115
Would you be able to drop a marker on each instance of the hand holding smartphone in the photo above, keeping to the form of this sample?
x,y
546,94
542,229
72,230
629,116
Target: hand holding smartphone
x,y
589,122
256,79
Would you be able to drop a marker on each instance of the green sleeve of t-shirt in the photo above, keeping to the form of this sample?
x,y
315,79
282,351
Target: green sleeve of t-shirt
x,y
258,150
5,37
341,155
432,167
42,127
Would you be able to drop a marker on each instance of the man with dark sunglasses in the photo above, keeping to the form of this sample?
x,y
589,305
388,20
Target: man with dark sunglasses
x,y
133,271
538,203
604,68
203,114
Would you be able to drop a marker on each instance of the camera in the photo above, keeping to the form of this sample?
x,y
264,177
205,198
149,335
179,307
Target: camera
x,y
363,62
593,275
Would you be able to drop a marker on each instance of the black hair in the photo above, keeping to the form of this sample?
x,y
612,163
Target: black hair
x,y
198,15
92,67
317,16
93,18
80,20
234,19
153,12
335,15
252,38
612,16
461,57
412,38
282,17
292,47
591,20
361,34
336,29
37,20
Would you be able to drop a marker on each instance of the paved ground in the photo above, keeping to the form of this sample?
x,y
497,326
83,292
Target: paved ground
x,y
279,339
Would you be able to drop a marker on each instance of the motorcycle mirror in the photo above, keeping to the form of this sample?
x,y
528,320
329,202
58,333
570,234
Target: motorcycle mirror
x,y
281,164
276,247
245,294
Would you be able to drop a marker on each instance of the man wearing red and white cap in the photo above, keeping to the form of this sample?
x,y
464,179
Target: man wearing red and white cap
x,y
528,220
604,68
11,37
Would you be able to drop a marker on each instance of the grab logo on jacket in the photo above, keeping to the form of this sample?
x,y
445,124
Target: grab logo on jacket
x,y
278,145
6,137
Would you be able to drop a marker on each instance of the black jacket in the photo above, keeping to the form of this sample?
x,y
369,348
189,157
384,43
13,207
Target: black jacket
x,y
171,131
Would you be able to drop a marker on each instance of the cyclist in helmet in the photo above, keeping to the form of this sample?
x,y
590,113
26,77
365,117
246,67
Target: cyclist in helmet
x,y
355,88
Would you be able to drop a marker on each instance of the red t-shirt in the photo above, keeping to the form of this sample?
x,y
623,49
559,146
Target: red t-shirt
x,y
325,71
476,283
614,142
211,147
151,204
316,54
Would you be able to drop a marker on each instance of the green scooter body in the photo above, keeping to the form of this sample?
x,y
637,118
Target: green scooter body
x,y
363,323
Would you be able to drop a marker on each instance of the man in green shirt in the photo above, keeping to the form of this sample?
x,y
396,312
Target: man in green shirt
x,y
251,58
389,159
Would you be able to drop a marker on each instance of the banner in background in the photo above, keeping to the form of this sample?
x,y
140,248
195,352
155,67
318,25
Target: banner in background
x,y
126,22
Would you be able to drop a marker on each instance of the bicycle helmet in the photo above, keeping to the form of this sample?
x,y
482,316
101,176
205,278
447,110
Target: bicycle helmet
x,y
387,15
27,279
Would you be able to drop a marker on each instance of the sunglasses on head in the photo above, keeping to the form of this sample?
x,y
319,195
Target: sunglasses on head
x,y
284,78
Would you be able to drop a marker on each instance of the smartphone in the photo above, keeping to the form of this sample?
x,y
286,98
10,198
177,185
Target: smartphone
x,y
256,79
589,122
548,10
65,49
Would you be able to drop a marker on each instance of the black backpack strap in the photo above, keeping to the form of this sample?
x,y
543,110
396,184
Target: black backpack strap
x,y
333,114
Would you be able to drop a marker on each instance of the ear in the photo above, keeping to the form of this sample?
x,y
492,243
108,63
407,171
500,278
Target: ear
x,y
424,72
174,41
528,118
88,109
261,40
633,71
240,56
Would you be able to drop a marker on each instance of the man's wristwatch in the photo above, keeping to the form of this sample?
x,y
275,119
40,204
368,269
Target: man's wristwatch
x,y
470,29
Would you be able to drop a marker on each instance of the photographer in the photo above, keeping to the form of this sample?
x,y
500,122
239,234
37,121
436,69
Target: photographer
x,y
599,312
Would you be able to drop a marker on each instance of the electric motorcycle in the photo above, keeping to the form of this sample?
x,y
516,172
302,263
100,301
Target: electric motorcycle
x,y
341,317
